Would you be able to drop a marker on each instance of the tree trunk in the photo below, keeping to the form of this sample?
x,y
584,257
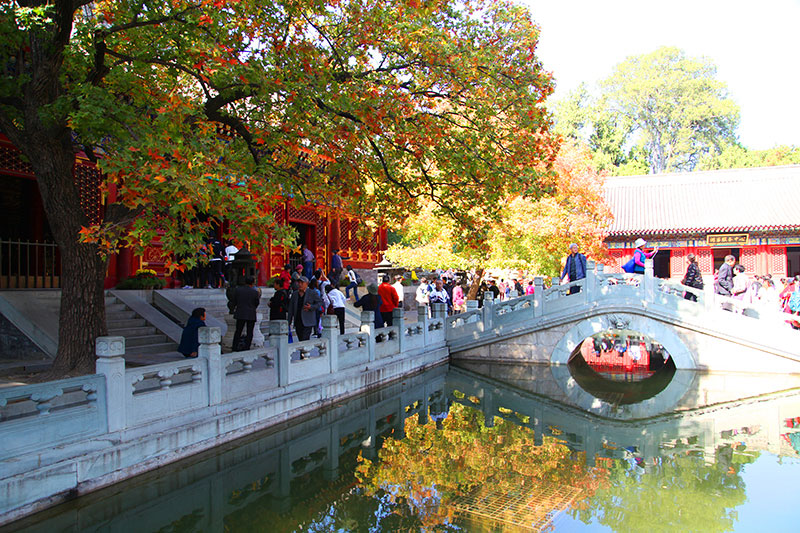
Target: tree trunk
x,y
476,283
83,314
82,318
36,122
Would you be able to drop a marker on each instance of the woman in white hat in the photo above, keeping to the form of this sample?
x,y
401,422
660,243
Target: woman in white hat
x,y
639,255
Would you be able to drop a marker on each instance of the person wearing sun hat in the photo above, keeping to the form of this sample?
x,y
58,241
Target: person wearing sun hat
x,y
639,255
371,302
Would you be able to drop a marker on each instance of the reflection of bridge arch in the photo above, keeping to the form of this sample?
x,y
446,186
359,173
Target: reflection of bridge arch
x,y
696,417
662,402
656,330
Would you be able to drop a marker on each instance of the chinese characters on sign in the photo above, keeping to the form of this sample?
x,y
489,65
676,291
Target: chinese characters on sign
x,y
729,239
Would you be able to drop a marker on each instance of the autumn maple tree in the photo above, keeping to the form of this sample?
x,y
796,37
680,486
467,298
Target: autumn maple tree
x,y
532,231
204,110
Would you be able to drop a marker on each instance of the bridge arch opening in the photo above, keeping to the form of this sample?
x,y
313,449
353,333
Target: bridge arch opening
x,y
661,332
621,367
676,388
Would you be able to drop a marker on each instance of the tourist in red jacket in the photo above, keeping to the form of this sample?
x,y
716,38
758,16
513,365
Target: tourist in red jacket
x,y
389,300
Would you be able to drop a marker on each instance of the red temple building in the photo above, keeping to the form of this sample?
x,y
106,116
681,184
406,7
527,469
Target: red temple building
x,y
29,257
752,214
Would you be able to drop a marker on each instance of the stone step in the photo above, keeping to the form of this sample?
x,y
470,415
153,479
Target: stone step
x,y
144,340
207,293
115,307
218,312
110,300
132,332
161,347
120,315
208,302
125,323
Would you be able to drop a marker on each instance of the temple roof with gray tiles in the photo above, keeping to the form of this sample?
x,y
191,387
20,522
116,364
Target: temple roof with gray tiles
x,y
750,199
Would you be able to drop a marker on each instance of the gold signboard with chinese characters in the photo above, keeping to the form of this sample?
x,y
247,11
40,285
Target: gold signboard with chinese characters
x,y
732,240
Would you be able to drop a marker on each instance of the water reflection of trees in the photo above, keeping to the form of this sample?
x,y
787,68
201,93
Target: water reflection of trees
x,y
678,492
439,479
444,476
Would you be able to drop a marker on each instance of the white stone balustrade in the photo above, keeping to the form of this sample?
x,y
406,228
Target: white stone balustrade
x,y
625,291
122,421
136,419
62,411
117,397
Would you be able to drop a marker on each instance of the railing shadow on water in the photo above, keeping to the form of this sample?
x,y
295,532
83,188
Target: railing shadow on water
x,y
270,472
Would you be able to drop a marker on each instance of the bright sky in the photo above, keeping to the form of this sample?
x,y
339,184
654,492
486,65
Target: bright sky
x,y
755,45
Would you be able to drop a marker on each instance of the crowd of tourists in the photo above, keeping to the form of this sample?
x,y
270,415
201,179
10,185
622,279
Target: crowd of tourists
x,y
213,262
761,291
303,294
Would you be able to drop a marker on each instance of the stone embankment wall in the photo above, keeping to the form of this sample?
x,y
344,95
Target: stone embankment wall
x,y
65,438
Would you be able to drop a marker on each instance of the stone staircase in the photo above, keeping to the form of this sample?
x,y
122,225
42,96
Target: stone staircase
x,y
213,300
142,339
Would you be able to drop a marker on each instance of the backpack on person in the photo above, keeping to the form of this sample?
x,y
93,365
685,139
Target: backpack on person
x,y
630,266
359,281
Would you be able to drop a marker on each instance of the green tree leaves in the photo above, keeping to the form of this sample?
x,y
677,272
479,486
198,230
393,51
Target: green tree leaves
x,y
662,111
199,111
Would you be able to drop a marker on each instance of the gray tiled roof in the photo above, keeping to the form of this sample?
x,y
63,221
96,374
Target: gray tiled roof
x,y
751,199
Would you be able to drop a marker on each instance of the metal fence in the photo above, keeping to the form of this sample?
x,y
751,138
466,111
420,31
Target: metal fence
x,y
29,265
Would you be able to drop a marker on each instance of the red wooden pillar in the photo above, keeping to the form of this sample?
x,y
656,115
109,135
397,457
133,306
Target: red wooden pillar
x,y
263,269
334,234
383,241
111,273
125,263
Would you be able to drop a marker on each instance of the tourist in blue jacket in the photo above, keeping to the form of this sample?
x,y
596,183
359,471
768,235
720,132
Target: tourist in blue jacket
x,y
189,341
574,267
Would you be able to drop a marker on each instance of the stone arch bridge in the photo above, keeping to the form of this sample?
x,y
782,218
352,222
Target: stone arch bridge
x,y
714,334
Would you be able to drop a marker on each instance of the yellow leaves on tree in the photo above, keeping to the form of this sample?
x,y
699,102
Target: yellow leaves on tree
x,y
432,467
531,233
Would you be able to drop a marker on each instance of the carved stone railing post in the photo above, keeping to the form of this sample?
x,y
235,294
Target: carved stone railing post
x,y
538,296
590,283
279,339
330,332
601,269
472,305
708,297
111,363
368,327
513,294
399,321
649,281
422,320
488,311
211,351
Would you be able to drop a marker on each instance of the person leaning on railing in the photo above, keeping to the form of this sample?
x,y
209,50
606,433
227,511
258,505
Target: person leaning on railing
x,y
639,255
